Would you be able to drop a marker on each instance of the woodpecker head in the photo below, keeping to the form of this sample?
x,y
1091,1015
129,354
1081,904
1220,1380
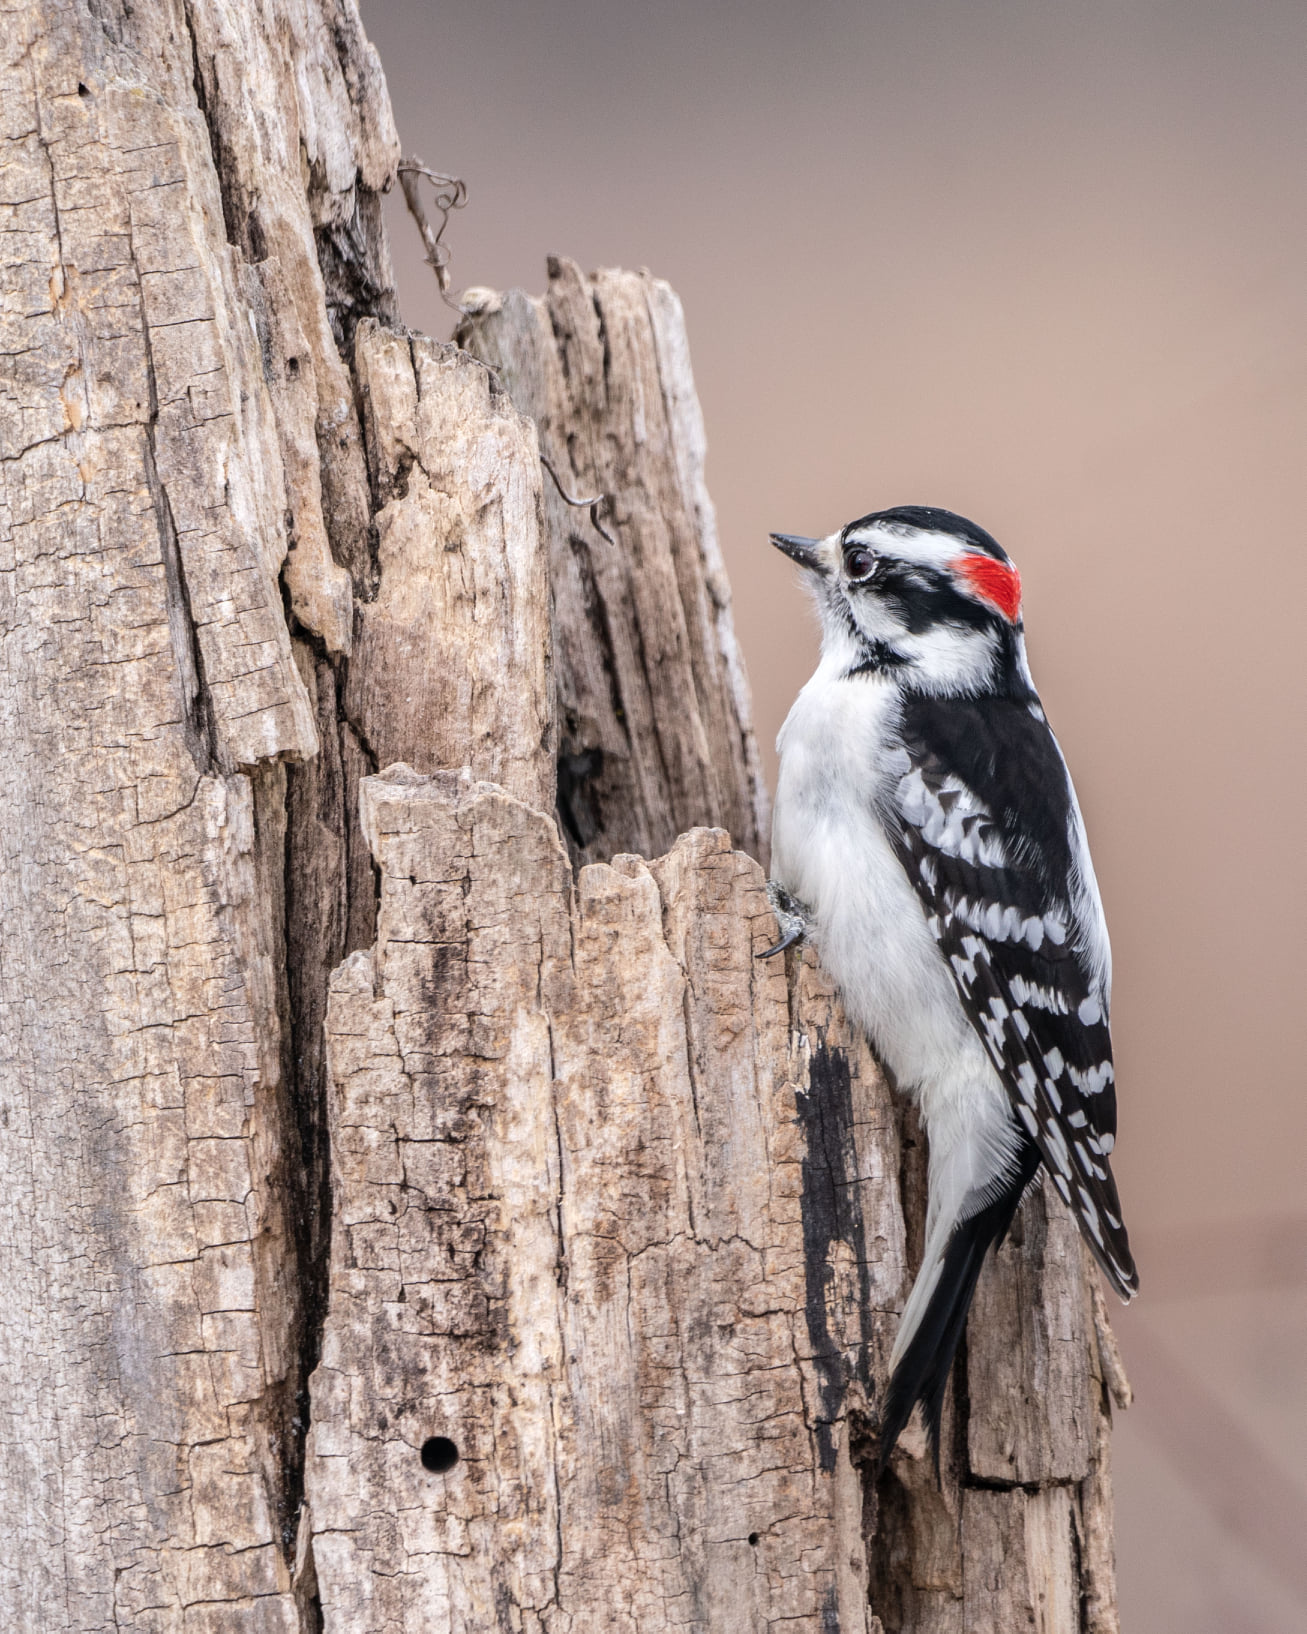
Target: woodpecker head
x,y
920,592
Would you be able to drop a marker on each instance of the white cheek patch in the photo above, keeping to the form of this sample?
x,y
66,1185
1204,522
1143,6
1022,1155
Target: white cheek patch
x,y
877,620
948,659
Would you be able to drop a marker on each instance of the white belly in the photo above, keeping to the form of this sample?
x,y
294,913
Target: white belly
x,y
830,850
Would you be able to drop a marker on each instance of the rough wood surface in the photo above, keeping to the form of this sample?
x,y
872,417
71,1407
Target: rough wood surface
x,y
593,1228
618,1215
155,472
625,1215
451,665
655,721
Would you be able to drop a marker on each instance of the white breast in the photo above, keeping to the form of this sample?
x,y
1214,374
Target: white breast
x,y
839,758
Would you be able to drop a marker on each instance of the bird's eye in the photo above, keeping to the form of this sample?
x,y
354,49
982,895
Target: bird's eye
x,y
859,563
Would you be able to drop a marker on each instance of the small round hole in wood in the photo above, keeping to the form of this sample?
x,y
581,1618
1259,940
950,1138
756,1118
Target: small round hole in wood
x,y
439,1454
753,1540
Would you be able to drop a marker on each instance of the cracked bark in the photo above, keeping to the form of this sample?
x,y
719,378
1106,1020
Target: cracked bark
x,y
535,1160
655,727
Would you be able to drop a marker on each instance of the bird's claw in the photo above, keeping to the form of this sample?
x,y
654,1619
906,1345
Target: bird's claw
x,y
791,916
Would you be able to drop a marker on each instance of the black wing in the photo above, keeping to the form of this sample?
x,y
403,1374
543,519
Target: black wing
x,y
988,831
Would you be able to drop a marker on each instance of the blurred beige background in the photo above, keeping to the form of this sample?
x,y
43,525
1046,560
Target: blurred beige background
x,y
1042,264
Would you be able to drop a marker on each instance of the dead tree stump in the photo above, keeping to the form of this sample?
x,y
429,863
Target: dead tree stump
x,y
421,1212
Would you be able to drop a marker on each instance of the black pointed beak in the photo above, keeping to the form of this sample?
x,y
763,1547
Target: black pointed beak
x,y
806,552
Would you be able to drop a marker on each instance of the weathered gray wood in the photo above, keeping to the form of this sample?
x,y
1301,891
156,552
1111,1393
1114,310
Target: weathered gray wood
x,y
151,1349
1031,1425
653,1202
1030,1349
452,661
655,724
592,1228
1019,1567
659,1187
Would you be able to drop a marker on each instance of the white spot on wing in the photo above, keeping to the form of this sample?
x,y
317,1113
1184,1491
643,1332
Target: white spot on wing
x,y
1089,1214
1087,1163
1038,998
965,970
953,820
1095,1080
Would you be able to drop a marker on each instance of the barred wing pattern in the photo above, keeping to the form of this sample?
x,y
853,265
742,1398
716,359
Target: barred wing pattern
x,y
987,830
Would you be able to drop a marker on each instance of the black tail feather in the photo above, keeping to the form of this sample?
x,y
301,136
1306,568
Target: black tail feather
x,y
923,1369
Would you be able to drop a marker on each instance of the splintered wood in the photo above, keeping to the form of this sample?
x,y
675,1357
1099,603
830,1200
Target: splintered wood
x,y
589,1229
585,1235
655,721
451,664
156,468
618,1224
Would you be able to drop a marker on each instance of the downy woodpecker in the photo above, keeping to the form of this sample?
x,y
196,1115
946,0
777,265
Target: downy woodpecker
x,y
927,839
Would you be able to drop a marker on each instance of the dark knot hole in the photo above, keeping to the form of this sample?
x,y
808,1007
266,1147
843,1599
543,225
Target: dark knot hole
x,y
439,1454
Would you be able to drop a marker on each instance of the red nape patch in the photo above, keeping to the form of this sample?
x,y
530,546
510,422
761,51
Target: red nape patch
x,y
992,582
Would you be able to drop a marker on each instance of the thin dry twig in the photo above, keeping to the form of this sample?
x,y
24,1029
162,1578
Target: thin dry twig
x,y
451,194
581,504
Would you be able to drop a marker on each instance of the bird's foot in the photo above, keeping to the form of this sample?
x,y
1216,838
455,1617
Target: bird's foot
x,y
792,916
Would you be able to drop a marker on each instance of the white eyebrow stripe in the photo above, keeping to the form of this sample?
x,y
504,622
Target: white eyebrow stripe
x,y
922,546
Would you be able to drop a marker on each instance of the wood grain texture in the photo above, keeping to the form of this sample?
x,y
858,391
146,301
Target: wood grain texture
x,y
588,1231
618,1215
623,1213
452,662
158,465
1029,1413
655,720
1030,1344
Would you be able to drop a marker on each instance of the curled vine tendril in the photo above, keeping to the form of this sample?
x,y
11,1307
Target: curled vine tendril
x,y
592,505
450,194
